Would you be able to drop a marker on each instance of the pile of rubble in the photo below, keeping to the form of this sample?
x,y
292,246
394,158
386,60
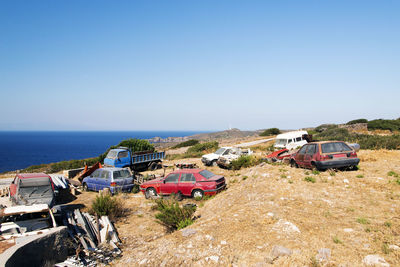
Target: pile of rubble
x,y
95,239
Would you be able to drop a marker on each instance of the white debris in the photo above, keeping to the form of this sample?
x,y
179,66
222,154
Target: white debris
x,y
223,242
394,247
348,230
375,260
345,181
286,227
213,258
270,214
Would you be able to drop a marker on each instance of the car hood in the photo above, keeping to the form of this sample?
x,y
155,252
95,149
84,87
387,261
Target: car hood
x,y
211,156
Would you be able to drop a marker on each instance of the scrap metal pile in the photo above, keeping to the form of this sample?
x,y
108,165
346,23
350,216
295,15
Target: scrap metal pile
x,y
95,239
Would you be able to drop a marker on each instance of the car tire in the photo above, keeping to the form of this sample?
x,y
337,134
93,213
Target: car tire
x,y
314,167
153,166
293,164
150,193
85,187
179,196
214,163
197,193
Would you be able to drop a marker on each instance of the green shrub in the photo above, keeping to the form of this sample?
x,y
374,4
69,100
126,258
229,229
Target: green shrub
x,y
105,205
357,121
380,124
191,142
309,179
397,181
360,176
324,127
244,162
173,216
270,131
392,173
203,147
316,172
336,240
363,220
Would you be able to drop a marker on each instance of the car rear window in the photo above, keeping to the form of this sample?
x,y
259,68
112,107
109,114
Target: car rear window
x,y
122,174
206,174
334,147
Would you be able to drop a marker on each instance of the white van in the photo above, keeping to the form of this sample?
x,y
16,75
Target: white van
x,y
290,140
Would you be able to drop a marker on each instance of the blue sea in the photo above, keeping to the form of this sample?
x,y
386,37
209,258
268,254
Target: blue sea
x,y
19,150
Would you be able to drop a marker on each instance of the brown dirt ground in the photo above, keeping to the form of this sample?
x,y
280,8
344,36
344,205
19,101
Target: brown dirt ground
x,y
353,213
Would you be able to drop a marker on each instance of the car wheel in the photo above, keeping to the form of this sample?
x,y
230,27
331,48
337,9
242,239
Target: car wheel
x,y
293,164
150,193
214,163
85,187
197,194
153,166
179,196
314,167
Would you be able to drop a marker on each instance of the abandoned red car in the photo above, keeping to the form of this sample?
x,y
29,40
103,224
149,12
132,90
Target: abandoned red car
x,y
32,188
325,155
187,182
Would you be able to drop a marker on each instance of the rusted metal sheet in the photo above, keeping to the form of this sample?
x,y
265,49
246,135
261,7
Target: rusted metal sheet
x,y
87,171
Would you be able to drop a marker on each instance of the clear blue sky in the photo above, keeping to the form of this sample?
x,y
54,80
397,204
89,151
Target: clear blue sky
x,y
196,65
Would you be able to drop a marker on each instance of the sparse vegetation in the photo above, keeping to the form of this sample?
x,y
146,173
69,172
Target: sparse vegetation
x,y
388,224
363,220
360,176
283,176
244,162
173,216
392,173
244,177
270,131
316,172
332,173
366,141
106,205
191,142
357,121
309,179
336,240
196,151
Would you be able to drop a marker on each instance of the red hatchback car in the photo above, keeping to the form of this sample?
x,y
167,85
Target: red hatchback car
x,y
187,182
325,155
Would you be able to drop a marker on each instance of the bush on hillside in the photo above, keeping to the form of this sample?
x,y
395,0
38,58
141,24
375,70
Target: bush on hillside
x,y
365,141
324,127
392,125
191,142
173,216
244,162
270,131
357,121
105,205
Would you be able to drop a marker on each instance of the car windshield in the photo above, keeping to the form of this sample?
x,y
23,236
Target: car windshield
x,y
112,154
220,151
207,174
334,147
280,141
122,174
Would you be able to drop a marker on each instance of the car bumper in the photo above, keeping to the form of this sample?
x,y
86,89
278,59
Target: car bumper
x,y
337,163
117,189
206,161
215,191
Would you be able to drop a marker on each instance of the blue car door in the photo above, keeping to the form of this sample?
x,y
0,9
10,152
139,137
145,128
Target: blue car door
x,y
105,179
124,159
91,180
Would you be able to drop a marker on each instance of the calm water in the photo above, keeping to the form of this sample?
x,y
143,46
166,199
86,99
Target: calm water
x,y
19,150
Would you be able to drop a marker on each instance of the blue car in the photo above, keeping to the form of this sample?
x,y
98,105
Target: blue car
x,y
117,179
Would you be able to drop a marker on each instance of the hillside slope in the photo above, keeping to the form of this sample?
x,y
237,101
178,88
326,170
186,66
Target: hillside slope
x,y
352,214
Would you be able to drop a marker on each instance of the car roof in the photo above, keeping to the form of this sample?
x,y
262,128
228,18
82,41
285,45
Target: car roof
x,y
291,134
188,171
32,175
324,142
